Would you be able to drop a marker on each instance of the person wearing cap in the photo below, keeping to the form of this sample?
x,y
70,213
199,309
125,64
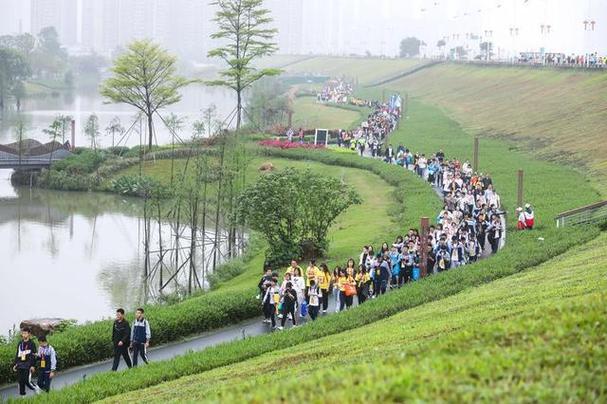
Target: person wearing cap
x,y
521,222
529,216
48,364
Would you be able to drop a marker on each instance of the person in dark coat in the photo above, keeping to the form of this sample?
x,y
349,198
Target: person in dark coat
x,y
121,339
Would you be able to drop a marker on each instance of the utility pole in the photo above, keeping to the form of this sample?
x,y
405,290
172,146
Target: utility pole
x,y
475,159
519,199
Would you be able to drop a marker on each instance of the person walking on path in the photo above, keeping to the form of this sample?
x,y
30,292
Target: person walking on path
x,y
25,361
269,303
140,337
121,333
48,364
314,294
288,305
325,285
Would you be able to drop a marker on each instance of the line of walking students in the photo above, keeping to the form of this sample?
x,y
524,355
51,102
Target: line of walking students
x,y
309,294
126,340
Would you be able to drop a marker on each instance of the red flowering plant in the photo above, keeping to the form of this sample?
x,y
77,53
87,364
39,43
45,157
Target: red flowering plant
x,y
285,144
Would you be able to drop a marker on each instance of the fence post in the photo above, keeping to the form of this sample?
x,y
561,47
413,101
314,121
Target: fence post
x,y
519,199
423,264
475,156
73,145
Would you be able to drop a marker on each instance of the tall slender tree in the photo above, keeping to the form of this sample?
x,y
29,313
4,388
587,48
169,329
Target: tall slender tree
x,y
53,132
145,77
91,129
115,126
242,28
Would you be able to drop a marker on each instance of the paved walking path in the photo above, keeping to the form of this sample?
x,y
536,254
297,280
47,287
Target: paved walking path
x,y
248,328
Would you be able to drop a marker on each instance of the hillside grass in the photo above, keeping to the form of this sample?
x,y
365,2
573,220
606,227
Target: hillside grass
x,y
233,300
310,114
361,70
559,115
534,336
523,250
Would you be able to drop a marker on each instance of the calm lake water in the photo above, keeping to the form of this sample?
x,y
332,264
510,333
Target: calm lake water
x,y
38,113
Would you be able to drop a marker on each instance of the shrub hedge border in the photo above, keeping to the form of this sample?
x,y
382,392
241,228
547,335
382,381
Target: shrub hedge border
x,y
522,252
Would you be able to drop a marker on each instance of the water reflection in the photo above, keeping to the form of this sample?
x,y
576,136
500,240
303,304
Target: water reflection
x,y
80,255
37,113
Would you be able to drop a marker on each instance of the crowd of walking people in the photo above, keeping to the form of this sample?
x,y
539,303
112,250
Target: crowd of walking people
x,y
588,60
469,226
336,91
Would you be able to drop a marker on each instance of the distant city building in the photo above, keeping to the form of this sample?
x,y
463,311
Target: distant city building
x,y
61,14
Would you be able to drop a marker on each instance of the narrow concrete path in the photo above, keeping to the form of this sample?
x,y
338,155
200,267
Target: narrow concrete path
x,y
249,328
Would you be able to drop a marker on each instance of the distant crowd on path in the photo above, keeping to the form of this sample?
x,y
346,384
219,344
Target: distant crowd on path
x,y
128,342
335,91
588,60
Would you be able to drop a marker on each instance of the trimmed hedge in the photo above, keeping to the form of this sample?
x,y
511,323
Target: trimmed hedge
x,y
89,343
522,251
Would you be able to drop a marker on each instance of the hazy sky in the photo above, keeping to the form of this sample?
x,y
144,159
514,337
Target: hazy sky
x,y
431,20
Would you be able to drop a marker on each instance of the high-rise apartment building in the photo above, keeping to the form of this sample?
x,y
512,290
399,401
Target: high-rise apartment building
x,y
61,14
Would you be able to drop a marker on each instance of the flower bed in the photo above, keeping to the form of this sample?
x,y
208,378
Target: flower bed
x,y
280,144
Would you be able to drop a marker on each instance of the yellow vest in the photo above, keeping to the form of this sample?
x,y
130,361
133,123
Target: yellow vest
x,y
324,280
311,273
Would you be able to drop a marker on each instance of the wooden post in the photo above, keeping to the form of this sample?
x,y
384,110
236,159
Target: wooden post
x,y
423,260
475,159
73,145
519,199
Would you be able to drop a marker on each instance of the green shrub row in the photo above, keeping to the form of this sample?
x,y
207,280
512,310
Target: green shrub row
x,y
91,342
523,250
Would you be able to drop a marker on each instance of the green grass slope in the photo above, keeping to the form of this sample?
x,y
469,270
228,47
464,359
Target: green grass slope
x,y
534,336
560,115
365,70
311,114
234,300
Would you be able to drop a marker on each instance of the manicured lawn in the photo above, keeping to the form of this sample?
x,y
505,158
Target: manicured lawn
x,y
534,336
363,70
559,115
310,114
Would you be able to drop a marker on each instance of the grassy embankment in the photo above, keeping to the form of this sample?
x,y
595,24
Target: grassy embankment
x,y
522,252
233,301
364,70
558,115
534,336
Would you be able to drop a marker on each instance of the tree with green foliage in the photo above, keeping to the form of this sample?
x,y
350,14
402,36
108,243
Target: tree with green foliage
x,y
49,58
114,127
409,47
53,132
209,115
91,129
293,210
242,28
19,135
14,69
66,121
145,77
